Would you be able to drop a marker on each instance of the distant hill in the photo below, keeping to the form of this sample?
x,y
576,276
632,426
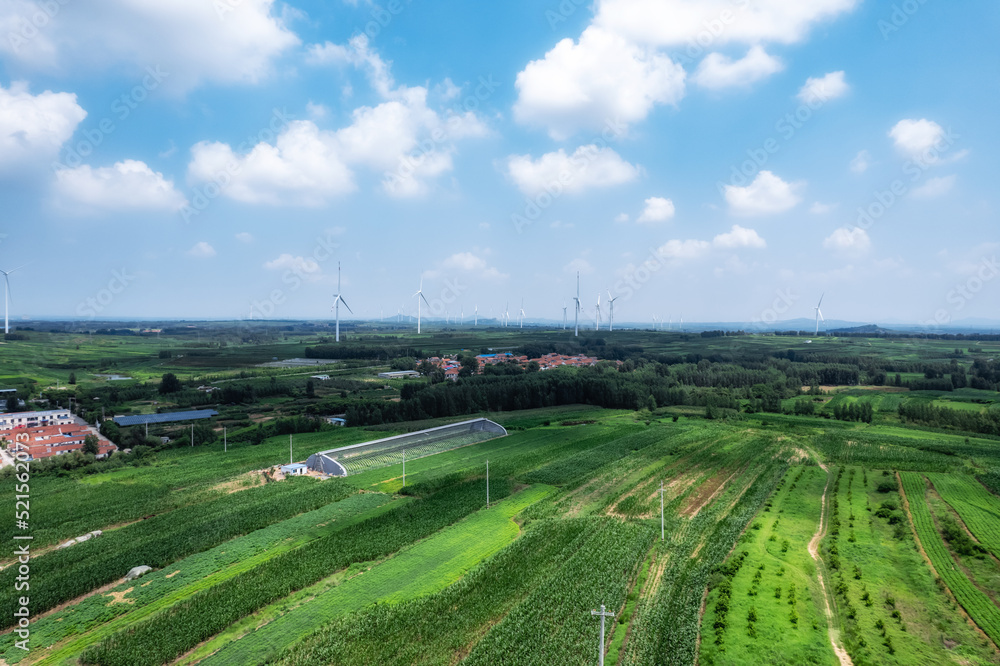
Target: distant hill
x,y
868,329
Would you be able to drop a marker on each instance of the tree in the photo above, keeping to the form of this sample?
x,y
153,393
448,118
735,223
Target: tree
x,y
72,378
91,445
470,366
13,402
651,403
170,384
533,366
310,389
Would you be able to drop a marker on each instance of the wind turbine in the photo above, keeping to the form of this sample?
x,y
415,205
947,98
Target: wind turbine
x,y
819,313
576,298
654,323
420,295
612,302
565,319
337,300
7,299
477,317
505,315
520,315
463,316
597,322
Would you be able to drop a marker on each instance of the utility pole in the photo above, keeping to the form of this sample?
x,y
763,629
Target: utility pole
x,y
192,435
603,614
487,484
661,511
404,468
225,440
290,460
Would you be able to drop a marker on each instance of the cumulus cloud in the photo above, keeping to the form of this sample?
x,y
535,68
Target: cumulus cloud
x,y
684,249
128,185
597,82
849,241
683,22
717,71
201,250
193,40
738,237
861,162
935,187
579,265
402,138
766,195
819,208
469,263
588,167
918,139
244,237
33,128
305,267
657,210
823,89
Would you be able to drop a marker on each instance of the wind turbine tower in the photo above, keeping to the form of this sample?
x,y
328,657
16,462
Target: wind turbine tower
x,y
7,299
576,332
565,316
597,321
420,296
612,302
520,315
337,300
819,313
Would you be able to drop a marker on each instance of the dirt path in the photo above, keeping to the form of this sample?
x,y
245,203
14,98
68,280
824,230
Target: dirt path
x,y
845,659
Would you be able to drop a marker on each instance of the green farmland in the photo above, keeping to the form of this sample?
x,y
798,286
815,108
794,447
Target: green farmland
x,y
815,510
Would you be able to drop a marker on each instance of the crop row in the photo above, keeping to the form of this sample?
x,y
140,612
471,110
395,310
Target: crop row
x,y
432,628
187,576
553,624
169,634
669,623
980,607
66,574
978,508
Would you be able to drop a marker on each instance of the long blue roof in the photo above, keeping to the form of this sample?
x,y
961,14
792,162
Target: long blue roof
x,y
166,417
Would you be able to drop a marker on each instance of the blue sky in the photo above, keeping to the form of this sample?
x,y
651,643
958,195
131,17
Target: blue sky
x,y
716,160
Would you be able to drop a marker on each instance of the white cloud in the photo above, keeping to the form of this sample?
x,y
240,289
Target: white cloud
x,y
304,166
861,162
766,195
819,208
684,249
194,41
850,241
935,187
717,71
304,267
579,265
588,167
739,237
657,210
201,250
823,89
599,81
129,184
559,224
402,138
317,111
917,138
244,237
356,52
684,22
33,128
621,218
466,262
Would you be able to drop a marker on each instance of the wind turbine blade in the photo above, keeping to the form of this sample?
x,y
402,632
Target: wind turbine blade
x,y
424,297
345,304
821,300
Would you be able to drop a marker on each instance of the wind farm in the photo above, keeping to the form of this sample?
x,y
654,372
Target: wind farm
x,y
231,434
